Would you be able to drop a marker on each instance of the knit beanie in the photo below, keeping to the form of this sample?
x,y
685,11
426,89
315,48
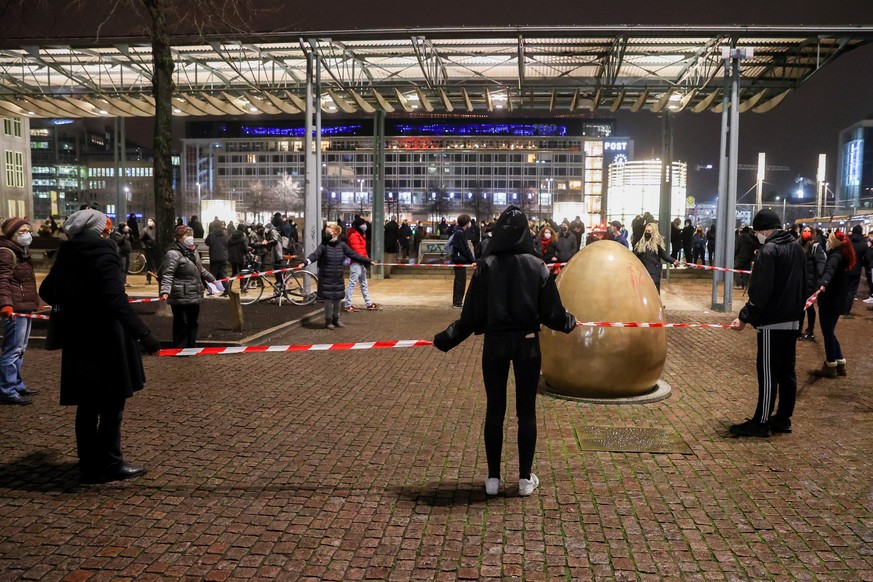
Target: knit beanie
x,y
83,221
766,219
11,225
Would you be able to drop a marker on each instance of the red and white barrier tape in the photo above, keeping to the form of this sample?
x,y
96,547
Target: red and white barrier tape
x,y
31,315
465,265
147,300
298,348
650,325
811,300
710,268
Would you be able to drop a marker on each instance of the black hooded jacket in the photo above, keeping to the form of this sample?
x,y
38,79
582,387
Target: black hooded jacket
x,y
510,291
777,288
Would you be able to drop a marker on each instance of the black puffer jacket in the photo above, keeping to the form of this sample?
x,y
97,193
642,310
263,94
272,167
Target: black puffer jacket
x,y
815,264
652,262
510,291
567,246
835,281
777,288
330,257
182,276
859,244
237,247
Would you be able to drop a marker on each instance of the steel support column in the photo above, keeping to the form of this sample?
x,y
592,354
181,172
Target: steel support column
x,y
311,224
727,203
721,222
666,184
378,222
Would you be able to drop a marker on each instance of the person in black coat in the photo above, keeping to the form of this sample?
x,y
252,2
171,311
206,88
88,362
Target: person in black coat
x,y
218,242
834,289
744,254
404,236
567,244
815,263
675,236
392,236
859,246
460,254
511,323
121,237
195,225
710,244
101,366
687,242
650,251
237,249
547,245
330,256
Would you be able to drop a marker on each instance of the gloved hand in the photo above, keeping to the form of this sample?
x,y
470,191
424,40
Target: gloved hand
x,y
442,342
150,344
7,312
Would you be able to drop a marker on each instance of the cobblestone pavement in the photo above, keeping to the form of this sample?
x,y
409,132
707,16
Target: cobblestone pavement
x,y
369,465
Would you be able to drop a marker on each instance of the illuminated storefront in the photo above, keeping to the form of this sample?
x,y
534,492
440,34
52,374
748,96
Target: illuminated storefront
x,y
635,188
855,172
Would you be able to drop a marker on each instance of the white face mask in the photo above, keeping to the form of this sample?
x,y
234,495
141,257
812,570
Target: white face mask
x,y
188,241
761,237
547,235
363,228
24,239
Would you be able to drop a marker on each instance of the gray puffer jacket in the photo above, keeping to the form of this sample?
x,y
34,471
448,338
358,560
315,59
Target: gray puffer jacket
x,y
182,276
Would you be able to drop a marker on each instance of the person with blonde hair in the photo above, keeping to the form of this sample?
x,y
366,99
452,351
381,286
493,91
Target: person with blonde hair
x,y
834,290
650,251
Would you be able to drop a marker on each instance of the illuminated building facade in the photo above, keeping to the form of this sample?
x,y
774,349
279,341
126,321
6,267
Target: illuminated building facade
x,y
635,188
433,168
15,193
855,172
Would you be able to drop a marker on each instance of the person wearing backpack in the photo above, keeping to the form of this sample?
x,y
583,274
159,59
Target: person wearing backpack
x,y
460,254
17,295
815,264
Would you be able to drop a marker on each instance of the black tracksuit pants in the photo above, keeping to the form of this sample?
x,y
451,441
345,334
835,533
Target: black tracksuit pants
x,y
185,325
460,286
777,350
523,351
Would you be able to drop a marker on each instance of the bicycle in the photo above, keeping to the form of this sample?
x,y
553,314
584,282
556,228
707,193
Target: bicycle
x,y
298,287
137,263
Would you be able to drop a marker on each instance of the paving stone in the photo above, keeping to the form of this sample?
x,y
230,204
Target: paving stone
x,y
369,465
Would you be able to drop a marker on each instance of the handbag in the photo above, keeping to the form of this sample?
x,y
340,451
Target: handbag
x,y
54,334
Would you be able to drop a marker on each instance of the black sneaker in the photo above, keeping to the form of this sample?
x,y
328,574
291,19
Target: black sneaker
x,y
779,424
15,399
751,428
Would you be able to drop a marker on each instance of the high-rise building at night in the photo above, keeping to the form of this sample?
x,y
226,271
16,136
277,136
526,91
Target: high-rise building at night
x,y
855,170
433,167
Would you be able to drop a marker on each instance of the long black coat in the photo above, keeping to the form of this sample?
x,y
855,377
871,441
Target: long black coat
x,y
330,257
652,262
237,247
101,359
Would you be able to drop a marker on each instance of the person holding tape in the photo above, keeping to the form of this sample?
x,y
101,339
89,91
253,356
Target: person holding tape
x,y
835,287
101,365
777,295
17,295
510,295
182,275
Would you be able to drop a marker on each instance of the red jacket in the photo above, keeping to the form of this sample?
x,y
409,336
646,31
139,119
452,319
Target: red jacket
x,y
358,243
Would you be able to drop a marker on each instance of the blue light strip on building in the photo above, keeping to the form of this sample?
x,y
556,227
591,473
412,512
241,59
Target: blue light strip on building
x,y
515,129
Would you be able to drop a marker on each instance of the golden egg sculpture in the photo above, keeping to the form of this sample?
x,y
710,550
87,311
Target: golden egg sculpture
x,y
606,282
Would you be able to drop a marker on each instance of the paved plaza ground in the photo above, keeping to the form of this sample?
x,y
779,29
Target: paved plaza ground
x,y
369,465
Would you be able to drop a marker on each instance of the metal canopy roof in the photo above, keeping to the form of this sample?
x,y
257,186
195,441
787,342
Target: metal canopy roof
x,y
443,70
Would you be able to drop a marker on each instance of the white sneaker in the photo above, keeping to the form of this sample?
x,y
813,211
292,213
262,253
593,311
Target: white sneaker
x,y
527,486
869,300
492,486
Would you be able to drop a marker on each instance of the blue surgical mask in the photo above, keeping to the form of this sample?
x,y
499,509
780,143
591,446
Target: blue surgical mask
x,y
363,228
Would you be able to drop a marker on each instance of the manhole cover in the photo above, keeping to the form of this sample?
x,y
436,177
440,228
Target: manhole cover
x,y
631,440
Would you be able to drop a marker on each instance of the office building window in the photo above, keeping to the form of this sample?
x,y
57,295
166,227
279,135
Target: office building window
x,y
12,126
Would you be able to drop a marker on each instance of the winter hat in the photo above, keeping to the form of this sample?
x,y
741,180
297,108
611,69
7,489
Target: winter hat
x,y
11,225
83,221
766,219
182,230
855,229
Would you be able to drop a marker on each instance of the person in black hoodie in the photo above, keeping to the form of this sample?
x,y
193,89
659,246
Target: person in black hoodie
x,y
460,254
776,297
237,249
859,246
510,296
832,300
101,366
744,254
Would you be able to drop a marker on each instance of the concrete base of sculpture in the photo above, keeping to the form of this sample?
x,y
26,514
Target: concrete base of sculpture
x,y
659,391
605,282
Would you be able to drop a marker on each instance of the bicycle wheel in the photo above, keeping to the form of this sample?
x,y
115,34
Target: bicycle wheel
x,y
296,249
251,289
301,287
137,263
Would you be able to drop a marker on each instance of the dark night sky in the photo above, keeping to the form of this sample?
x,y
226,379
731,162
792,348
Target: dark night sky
x,y
804,125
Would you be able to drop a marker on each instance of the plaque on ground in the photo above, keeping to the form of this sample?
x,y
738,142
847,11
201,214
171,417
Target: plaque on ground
x,y
623,439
